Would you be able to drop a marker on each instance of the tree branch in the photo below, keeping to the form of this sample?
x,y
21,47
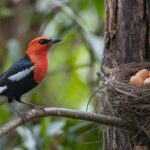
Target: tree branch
x,y
68,113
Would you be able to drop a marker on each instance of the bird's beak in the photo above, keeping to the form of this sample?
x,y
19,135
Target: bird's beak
x,y
54,41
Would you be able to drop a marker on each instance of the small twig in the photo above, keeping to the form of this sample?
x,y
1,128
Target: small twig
x,y
95,92
126,93
68,113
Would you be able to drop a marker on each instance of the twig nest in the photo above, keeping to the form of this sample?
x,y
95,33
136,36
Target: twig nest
x,y
131,102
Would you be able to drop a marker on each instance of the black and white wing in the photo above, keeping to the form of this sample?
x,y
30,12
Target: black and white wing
x,y
18,79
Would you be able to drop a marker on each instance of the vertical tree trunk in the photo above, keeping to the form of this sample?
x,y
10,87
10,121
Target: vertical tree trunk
x,y
127,39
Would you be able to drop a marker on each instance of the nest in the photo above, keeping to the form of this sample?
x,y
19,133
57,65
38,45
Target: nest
x,y
128,102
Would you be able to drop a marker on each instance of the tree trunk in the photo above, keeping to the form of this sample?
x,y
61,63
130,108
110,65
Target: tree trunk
x,y
127,39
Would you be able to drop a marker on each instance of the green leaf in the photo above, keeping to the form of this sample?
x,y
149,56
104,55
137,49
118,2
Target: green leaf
x,y
56,127
44,125
5,12
99,5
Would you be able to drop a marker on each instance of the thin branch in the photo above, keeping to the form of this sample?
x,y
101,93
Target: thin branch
x,y
95,92
68,113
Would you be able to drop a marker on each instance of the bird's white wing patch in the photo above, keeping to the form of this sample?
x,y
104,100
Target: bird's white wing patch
x,y
3,88
21,74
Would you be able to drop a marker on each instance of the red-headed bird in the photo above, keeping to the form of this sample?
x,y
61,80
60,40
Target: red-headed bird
x,y
28,72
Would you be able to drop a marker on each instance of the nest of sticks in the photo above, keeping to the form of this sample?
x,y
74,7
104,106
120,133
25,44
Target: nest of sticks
x,y
129,102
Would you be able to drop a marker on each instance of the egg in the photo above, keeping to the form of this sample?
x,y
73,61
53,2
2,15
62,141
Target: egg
x,y
147,82
144,73
136,81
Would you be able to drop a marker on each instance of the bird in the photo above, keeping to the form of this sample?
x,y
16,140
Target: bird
x,y
27,73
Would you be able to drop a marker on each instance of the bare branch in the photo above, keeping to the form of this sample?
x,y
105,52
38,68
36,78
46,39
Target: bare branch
x,y
68,113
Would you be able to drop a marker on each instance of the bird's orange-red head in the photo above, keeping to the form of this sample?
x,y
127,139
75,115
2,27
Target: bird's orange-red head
x,y
37,52
40,45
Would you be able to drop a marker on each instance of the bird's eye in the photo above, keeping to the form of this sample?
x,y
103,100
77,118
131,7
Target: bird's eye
x,y
43,41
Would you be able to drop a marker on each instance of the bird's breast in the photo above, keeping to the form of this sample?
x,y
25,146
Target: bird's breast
x,y
40,65
40,71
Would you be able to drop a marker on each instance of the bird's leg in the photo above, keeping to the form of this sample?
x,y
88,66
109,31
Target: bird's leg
x,y
30,104
21,115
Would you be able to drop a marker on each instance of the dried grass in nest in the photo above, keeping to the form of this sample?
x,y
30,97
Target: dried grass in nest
x,y
128,102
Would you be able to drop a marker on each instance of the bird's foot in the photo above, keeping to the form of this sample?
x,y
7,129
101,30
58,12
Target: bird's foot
x,y
22,116
39,108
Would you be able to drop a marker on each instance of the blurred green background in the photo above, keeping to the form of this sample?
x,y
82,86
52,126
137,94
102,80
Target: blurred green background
x,y
71,78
